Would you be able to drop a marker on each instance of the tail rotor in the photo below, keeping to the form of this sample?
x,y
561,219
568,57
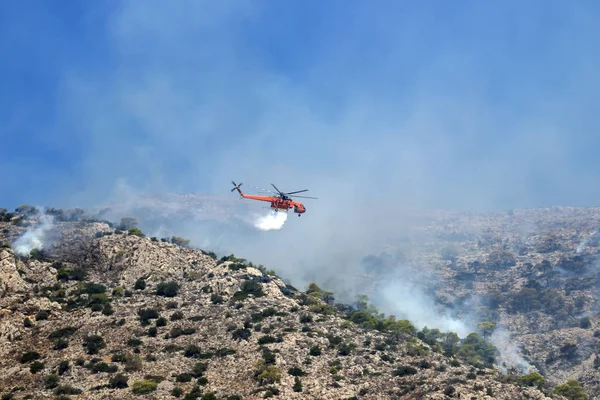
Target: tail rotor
x,y
236,186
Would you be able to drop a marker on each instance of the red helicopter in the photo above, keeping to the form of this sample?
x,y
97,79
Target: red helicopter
x,y
280,202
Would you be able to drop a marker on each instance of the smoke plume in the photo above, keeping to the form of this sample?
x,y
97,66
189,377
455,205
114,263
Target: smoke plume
x,y
508,348
34,238
274,220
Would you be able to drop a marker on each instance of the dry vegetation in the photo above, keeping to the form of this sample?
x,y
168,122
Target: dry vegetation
x,y
105,312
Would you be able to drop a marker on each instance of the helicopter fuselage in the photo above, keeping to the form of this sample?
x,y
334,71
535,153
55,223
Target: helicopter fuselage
x,y
278,203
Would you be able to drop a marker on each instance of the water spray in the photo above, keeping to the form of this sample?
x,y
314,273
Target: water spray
x,y
274,220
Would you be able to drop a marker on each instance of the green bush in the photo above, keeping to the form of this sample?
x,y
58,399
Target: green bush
x,y
29,356
572,390
36,367
51,381
93,344
118,381
297,385
144,387
136,232
66,390
585,323
533,379
167,289
140,284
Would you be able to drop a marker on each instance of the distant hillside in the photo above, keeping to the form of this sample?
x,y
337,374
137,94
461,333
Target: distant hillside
x,y
97,310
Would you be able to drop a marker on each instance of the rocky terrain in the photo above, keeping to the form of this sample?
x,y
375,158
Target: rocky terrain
x,y
98,310
534,273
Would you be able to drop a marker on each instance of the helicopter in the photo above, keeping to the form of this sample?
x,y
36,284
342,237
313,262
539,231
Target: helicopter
x,y
280,202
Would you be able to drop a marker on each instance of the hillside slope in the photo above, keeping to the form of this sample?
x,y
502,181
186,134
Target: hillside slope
x,y
104,313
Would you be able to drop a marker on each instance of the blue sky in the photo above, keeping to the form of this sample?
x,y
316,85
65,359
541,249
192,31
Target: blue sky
x,y
463,105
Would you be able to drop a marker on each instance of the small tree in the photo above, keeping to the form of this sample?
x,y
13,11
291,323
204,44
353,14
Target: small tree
x,y
585,323
127,223
533,379
572,390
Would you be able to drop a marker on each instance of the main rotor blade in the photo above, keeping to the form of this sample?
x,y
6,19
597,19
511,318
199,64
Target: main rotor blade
x,y
298,191
279,191
305,197
262,189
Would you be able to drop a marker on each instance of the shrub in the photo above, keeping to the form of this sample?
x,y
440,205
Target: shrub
x,y
240,334
42,315
297,385
104,367
118,381
177,315
63,367
62,332
172,305
136,232
67,389
51,381
140,284
167,289
266,340
585,323
180,241
94,288
184,377
29,356
267,374
248,287
533,379
572,390
147,314
404,370
93,344
36,367
144,387
296,371
216,299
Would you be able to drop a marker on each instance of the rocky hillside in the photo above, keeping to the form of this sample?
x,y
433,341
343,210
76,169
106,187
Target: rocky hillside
x,y
532,272
97,311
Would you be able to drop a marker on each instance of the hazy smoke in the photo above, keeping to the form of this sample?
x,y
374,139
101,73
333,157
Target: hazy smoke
x,y
34,238
509,351
274,220
407,301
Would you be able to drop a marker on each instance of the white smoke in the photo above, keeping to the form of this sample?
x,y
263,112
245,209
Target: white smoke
x,y
274,220
509,352
408,301
34,238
